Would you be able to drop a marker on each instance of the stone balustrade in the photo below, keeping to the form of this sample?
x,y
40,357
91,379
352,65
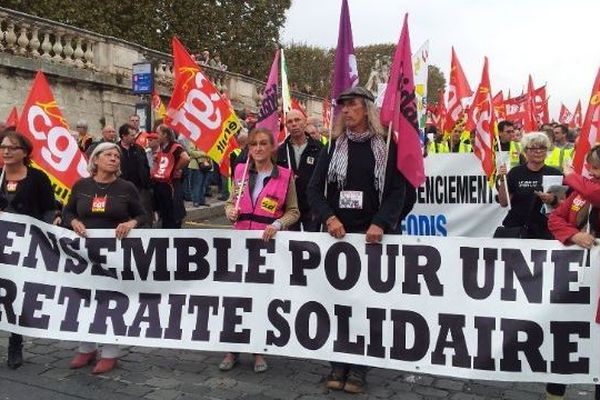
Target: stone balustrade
x,y
27,36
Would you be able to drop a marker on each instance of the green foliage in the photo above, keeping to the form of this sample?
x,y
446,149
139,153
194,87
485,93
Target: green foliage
x,y
435,83
244,33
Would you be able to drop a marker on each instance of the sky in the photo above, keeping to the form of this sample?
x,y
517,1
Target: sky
x,y
555,41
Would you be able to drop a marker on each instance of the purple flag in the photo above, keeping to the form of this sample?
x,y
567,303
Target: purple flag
x,y
345,73
268,117
400,109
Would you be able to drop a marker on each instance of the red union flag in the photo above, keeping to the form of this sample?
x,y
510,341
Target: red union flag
x,y
591,126
565,116
499,106
577,116
13,118
481,113
158,106
458,91
541,105
198,111
55,150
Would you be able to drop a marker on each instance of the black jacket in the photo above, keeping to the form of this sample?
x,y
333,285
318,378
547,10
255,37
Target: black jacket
x,y
34,195
360,177
134,166
304,171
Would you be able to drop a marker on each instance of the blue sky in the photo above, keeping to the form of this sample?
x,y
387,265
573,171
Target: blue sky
x,y
549,39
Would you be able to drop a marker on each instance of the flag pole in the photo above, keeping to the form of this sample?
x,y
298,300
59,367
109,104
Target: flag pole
x,y
505,181
387,156
241,188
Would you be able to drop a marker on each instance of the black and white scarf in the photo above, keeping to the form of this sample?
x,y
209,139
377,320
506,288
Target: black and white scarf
x,y
338,167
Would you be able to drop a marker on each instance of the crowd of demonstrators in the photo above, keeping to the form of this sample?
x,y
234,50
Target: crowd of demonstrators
x,y
263,198
27,191
356,188
300,153
167,175
103,201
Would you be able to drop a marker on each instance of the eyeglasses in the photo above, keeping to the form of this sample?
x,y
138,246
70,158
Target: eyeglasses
x,y
537,148
10,148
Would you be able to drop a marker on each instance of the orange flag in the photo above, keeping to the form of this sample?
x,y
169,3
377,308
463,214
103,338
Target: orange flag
x,y
590,130
13,118
482,114
198,111
55,150
458,90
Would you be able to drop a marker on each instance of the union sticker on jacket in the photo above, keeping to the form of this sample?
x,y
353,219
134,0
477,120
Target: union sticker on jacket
x,y
269,205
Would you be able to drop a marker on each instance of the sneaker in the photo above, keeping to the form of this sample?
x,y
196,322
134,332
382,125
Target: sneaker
x,y
336,379
260,364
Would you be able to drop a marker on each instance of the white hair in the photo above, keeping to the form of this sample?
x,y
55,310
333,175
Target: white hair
x,y
99,149
535,138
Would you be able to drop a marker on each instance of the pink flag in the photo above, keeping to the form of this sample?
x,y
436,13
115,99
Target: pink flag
x,y
268,117
400,109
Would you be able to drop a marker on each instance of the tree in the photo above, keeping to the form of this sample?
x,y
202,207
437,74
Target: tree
x,y
435,83
244,33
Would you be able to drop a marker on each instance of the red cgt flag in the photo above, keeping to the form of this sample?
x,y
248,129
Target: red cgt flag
x,y
589,135
459,90
482,114
540,101
198,111
565,116
55,150
440,119
577,116
499,106
530,120
13,118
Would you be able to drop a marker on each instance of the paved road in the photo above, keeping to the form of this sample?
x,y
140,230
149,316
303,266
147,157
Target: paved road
x,y
160,374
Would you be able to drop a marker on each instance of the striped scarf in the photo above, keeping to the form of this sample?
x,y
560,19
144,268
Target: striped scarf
x,y
338,167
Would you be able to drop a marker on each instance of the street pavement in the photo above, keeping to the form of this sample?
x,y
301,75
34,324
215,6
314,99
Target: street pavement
x,y
163,374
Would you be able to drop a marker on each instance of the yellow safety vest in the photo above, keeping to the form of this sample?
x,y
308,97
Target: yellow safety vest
x,y
557,157
515,153
435,147
324,140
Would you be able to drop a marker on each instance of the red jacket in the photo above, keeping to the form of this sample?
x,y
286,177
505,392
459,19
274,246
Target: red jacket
x,y
562,221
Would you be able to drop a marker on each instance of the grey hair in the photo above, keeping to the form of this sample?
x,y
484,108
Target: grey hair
x,y
82,123
372,121
535,138
99,149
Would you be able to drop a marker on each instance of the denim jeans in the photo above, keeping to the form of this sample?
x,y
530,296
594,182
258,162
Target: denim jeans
x,y
198,183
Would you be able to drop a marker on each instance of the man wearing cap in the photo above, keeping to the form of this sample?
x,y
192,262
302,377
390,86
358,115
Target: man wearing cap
x,y
354,190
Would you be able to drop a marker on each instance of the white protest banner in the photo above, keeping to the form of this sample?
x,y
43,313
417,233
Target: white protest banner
x,y
500,309
455,200
420,61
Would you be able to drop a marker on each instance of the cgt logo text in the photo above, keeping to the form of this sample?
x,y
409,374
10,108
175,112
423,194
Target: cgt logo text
x,y
425,225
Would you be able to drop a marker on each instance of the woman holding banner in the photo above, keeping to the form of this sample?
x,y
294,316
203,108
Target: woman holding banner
x,y
263,198
103,201
24,190
356,188
524,185
576,221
